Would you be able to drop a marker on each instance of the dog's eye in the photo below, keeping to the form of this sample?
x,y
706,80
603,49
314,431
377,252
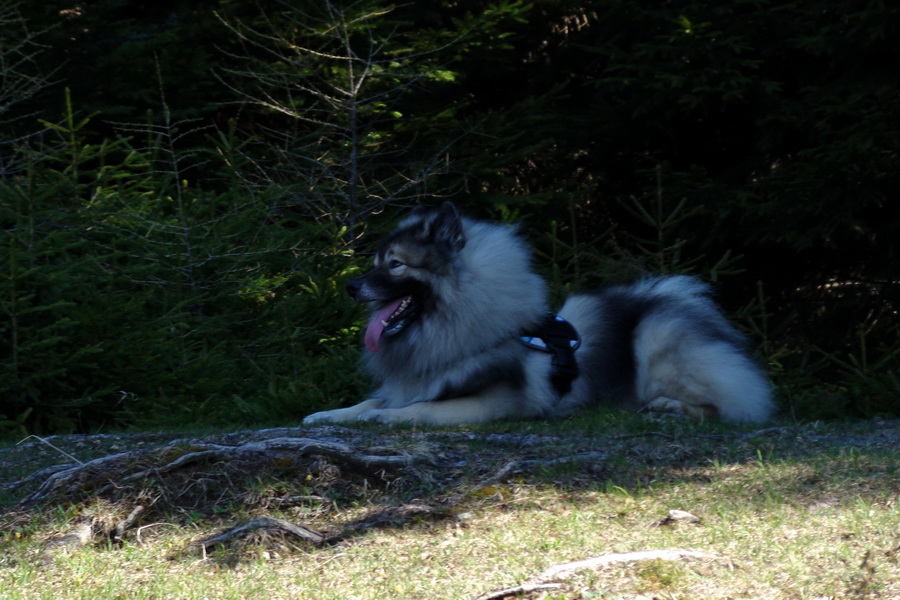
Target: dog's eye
x,y
395,264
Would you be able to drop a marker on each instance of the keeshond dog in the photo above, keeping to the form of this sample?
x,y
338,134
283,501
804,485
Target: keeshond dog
x,y
460,334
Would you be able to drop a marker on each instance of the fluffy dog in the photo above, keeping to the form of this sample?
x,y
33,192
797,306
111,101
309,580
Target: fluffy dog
x,y
460,333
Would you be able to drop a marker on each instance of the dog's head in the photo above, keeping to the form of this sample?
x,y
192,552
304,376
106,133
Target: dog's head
x,y
408,266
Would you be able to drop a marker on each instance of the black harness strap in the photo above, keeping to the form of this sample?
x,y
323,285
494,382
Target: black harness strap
x,y
556,336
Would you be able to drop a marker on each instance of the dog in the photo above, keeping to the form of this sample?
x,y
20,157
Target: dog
x,y
460,334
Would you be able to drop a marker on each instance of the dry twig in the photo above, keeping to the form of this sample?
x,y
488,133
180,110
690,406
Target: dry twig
x,y
550,577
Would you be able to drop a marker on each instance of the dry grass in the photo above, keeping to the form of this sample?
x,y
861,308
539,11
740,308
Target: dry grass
x,y
805,512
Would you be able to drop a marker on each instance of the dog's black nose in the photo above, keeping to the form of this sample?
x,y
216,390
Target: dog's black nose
x,y
353,288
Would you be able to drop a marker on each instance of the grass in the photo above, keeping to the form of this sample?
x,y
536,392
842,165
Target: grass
x,y
807,512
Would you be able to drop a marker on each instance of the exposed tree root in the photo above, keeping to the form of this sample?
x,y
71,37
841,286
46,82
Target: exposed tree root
x,y
128,522
125,467
271,524
124,488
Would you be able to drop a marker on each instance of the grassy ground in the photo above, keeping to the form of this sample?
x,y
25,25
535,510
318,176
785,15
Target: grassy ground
x,y
794,511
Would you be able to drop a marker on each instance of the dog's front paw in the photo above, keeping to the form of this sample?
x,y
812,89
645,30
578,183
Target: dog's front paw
x,y
318,418
341,415
676,407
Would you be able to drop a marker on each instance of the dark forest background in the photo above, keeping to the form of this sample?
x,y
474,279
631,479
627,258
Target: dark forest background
x,y
187,185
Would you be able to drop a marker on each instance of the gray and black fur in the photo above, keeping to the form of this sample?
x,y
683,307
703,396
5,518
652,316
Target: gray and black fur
x,y
450,352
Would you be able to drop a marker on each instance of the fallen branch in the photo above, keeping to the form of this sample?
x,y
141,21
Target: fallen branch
x,y
678,516
551,577
566,570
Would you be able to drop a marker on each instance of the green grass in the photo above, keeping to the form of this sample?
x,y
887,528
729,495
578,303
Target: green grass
x,y
807,513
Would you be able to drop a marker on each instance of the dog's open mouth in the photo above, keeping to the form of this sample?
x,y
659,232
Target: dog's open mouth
x,y
388,320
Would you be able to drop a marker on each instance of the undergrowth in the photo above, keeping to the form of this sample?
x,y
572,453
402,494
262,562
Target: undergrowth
x,y
135,295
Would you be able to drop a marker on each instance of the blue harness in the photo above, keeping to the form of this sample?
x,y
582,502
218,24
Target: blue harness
x,y
557,337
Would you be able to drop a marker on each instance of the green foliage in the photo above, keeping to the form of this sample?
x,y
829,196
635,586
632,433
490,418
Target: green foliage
x,y
350,88
860,382
179,254
47,242
140,294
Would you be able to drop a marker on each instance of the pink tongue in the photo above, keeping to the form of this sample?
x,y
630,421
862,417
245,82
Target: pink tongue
x,y
376,327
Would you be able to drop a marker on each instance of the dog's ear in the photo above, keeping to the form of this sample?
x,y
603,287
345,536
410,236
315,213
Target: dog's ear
x,y
447,227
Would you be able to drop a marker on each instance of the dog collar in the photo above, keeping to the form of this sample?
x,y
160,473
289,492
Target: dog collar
x,y
556,336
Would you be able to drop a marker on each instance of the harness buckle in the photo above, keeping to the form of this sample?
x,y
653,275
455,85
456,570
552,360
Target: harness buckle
x,y
557,337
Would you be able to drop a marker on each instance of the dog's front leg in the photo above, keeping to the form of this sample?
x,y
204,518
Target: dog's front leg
x,y
459,411
343,415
